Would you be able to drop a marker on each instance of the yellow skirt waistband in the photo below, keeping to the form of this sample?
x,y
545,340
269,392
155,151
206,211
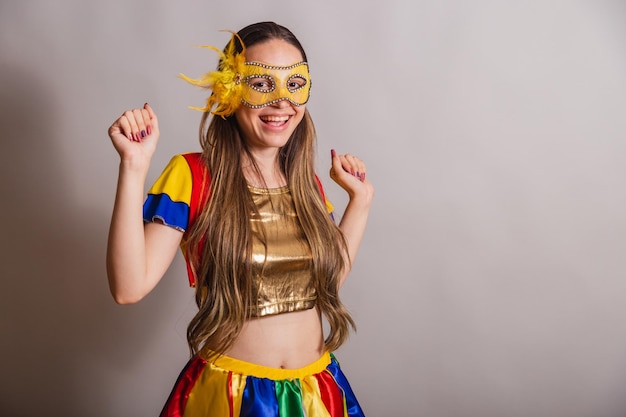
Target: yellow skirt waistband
x,y
250,369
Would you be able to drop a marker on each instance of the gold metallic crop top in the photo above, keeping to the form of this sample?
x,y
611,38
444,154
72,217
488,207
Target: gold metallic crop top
x,y
282,274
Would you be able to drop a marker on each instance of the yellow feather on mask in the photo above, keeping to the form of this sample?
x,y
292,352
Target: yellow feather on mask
x,y
225,83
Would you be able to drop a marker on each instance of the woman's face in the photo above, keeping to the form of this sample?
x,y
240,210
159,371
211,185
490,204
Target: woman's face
x,y
271,126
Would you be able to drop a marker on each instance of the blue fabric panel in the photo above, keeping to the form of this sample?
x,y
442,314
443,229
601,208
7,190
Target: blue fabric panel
x,y
352,405
259,398
172,213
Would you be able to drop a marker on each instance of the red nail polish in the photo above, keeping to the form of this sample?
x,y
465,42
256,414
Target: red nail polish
x,y
149,129
333,153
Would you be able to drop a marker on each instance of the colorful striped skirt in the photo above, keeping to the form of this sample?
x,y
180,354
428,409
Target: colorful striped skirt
x,y
228,387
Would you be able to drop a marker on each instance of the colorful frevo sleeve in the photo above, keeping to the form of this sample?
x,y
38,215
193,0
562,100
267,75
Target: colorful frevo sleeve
x,y
169,198
175,197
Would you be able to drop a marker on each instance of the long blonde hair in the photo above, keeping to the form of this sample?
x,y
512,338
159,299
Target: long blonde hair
x,y
222,228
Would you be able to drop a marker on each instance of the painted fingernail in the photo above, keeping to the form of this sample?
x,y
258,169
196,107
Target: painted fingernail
x,y
137,137
363,177
333,153
351,171
143,133
149,129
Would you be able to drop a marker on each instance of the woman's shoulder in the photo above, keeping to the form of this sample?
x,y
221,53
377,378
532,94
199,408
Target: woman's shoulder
x,y
188,163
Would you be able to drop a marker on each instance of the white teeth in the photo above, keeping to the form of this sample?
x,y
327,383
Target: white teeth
x,y
275,118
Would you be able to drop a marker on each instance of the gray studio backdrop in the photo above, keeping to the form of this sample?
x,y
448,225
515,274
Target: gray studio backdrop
x,y
491,281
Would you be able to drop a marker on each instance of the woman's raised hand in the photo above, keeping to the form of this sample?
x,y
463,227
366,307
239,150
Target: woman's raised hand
x,y
135,134
348,172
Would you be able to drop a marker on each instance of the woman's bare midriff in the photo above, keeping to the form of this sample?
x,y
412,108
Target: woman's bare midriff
x,y
288,340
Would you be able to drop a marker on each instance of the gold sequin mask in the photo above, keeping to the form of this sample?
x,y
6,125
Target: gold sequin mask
x,y
264,85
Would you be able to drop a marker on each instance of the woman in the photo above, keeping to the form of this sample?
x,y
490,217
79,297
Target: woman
x,y
262,249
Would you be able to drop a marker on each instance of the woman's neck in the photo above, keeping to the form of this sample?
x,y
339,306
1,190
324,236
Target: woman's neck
x,y
269,174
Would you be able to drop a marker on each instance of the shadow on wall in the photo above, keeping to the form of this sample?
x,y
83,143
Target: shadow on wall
x,y
60,327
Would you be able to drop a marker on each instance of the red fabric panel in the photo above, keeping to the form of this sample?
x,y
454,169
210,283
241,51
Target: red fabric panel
x,y
332,396
175,405
198,174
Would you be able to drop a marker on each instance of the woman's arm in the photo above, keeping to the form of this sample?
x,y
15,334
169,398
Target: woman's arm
x,y
348,172
137,255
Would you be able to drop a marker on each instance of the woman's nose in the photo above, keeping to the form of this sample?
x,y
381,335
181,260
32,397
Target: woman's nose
x,y
282,104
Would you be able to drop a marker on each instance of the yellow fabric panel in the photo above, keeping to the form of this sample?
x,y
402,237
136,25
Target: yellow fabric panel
x,y
209,396
175,180
311,400
329,207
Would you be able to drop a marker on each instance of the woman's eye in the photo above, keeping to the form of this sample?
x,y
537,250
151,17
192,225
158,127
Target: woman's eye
x,y
261,84
295,83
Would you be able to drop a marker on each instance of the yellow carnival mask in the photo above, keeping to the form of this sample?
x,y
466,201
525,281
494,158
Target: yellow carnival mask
x,y
265,84
254,84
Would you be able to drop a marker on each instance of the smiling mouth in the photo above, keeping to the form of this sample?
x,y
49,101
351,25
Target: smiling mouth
x,y
275,120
